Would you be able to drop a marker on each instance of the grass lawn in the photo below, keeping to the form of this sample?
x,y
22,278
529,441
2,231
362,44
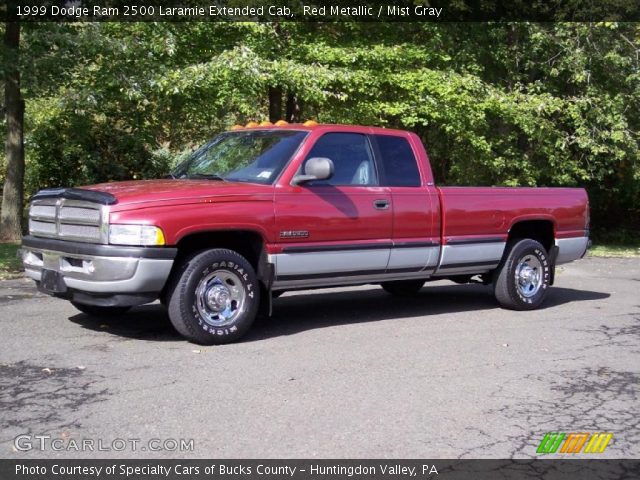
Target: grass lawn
x,y
614,251
10,265
615,243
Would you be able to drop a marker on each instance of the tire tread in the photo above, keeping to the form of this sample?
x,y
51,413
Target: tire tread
x,y
502,289
177,291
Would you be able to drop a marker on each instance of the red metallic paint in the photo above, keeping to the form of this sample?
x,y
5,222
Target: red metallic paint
x,y
471,212
335,215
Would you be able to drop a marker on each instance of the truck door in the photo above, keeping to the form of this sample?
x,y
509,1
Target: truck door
x,y
340,227
415,231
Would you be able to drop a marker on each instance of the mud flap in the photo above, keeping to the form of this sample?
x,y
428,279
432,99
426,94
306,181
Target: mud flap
x,y
553,255
266,273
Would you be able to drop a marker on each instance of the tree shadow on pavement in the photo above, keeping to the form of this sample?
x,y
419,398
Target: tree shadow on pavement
x,y
147,322
312,310
309,310
589,399
35,397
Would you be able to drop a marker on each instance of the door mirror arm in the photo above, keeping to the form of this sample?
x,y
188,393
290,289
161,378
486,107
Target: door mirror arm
x,y
316,168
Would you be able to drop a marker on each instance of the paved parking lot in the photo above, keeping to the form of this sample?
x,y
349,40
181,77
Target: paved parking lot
x,y
335,373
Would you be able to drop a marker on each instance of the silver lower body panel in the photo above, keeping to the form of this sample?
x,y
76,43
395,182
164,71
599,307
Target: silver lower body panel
x,y
469,258
329,263
352,267
570,249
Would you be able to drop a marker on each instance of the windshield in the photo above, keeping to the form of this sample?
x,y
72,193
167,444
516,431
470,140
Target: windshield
x,y
256,156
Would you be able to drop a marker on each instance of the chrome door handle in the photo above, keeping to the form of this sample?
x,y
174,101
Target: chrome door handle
x,y
381,204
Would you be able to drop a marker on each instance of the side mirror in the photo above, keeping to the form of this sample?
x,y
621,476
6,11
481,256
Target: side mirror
x,y
316,168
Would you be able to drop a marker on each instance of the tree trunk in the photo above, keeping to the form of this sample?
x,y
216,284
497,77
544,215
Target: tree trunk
x,y
13,190
275,104
294,108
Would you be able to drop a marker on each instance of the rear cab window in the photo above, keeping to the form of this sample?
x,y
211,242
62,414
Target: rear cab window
x,y
398,161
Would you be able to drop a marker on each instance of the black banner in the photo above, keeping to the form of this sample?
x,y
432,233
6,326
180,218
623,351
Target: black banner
x,y
319,469
321,11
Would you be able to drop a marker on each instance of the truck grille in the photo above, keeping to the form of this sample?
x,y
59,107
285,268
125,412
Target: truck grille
x,y
68,220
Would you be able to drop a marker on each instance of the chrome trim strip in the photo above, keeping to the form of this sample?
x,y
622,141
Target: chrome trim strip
x,y
304,248
474,241
415,244
336,248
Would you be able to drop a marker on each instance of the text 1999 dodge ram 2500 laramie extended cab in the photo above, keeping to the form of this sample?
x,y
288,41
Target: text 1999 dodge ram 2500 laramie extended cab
x,y
264,209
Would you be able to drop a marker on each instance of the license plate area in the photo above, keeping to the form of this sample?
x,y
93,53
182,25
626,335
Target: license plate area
x,y
51,281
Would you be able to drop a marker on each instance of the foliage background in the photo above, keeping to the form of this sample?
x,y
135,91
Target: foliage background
x,y
496,103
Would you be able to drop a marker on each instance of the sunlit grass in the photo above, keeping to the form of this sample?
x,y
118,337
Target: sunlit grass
x,y
10,265
614,251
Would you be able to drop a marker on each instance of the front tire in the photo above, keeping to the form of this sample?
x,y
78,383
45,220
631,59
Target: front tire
x,y
522,279
214,297
403,288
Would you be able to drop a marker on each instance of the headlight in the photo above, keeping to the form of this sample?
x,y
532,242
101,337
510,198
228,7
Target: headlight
x,y
143,235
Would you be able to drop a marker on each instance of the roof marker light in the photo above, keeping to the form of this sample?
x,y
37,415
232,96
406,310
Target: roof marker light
x,y
265,124
281,123
310,123
237,127
251,124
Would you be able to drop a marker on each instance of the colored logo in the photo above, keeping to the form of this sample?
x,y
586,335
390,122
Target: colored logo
x,y
558,442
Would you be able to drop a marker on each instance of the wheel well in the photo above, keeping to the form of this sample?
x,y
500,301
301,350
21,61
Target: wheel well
x,y
247,243
540,230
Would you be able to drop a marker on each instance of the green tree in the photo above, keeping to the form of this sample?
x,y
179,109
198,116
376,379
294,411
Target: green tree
x,y
496,104
12,192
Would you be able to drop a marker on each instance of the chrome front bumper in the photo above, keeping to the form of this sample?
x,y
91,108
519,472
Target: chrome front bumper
x,y
97,269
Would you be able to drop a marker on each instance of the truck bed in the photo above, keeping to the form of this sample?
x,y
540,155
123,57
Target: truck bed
x,y
476,222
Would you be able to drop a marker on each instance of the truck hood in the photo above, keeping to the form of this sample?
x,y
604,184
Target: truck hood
x,y
180,191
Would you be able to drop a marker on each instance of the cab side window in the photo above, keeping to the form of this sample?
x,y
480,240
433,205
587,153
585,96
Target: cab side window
x,y
398,161
351,156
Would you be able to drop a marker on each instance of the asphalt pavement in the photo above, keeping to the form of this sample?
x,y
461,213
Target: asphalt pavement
x,y
340,373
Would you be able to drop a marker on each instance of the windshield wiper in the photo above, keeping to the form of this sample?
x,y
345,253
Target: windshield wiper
x,y
208,176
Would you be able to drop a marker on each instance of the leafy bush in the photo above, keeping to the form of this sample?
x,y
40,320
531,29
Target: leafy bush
x,y
497,104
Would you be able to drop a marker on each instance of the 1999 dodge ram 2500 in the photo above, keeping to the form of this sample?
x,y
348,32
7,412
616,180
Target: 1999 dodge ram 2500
x,y
264,209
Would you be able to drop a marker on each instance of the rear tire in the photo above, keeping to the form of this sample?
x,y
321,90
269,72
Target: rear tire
x,y
522,279
214,297
100,311
403,288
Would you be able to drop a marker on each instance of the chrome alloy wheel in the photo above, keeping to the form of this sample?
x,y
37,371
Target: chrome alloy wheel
x,y
220,298
529,275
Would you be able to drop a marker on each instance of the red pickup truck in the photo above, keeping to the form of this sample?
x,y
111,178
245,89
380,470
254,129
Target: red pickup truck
x,y
268,208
